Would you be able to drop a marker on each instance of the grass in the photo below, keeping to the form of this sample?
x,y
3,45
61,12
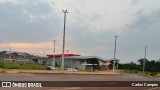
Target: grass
x,y
148,74
24,66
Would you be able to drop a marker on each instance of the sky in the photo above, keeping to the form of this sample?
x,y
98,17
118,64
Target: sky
x,y
32,25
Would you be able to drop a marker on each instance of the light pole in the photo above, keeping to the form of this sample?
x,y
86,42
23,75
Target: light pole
x,y
3,56
0,42
114,53
44,54
54,53
10,53
144,58
24,57
67,51
1,61
62,67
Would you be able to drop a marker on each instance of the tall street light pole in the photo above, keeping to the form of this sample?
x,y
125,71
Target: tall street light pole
x,y
114,53
10,52
62,67
2,54
54,53
144,59
0,42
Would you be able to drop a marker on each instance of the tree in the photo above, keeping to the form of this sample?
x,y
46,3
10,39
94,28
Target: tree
x,y
141,61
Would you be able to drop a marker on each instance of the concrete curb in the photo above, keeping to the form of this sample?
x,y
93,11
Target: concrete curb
x,y
57,72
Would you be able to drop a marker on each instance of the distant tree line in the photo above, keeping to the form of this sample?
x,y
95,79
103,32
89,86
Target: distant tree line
x,y
150,66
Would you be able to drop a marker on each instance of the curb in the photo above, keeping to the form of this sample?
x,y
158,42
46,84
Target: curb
x,y
56,72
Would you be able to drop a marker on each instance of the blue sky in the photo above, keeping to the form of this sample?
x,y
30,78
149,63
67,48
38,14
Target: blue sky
x,y
32,25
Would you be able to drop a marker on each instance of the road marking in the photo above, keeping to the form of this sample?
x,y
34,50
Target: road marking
x,y
71,88
152,88
74,88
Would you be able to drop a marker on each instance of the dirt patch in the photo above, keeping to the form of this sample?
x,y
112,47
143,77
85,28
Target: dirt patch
x,y
2,71
8,71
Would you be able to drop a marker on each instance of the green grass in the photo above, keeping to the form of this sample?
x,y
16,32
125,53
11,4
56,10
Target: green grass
x,y
24,66
148,74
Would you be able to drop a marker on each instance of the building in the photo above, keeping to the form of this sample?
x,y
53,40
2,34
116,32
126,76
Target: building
x,y
111,60
89,63
15,57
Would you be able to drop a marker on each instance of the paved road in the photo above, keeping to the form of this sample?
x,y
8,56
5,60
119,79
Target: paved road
x,y
67,77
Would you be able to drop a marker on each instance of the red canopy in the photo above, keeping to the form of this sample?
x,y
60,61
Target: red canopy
x,y
60,55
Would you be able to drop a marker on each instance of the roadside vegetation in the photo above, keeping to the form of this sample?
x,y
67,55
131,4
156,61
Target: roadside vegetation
x,y
152,68
24,66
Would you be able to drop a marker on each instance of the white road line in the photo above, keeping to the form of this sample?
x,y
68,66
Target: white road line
x,y
70,88
152,88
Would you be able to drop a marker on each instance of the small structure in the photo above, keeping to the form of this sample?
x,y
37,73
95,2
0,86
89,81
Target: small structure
x,y
111,60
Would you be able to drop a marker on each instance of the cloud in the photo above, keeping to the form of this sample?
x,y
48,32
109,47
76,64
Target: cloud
x,y
144,31
135,1
29,23
90,26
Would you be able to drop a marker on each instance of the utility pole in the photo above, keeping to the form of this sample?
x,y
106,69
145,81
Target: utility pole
x,y
62,67
1,61
114,53
144,59
44,54
24,58
54,53
0,42
3,57
67,51
10,53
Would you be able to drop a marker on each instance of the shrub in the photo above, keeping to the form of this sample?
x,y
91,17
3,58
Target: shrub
x,y
135,71
1,66
153,73
12,67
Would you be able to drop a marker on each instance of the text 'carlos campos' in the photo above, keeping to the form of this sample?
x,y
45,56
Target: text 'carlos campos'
x,y
144,85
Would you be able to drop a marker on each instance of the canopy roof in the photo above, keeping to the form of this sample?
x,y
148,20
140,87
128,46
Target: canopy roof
x,y
86,57
60,55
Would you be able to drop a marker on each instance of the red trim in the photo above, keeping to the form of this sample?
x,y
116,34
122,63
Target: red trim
x,y
60,55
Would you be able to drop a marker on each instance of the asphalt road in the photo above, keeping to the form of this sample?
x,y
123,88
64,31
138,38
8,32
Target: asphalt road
x,y
69,77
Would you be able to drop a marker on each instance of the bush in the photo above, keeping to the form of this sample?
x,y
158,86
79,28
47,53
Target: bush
x,y
153,73
13,67
135,71
147,73
1,66
25,66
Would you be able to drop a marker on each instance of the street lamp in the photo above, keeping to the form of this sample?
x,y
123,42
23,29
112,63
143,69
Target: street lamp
x,y
67,51
62,67
44,54
54,53
2,55
114,53
10,53
144,58
0,42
